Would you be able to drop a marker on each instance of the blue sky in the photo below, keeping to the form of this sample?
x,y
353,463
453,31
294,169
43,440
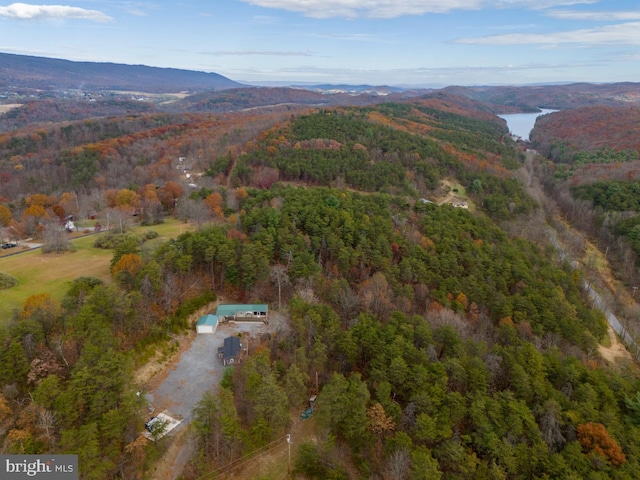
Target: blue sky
x,y
393,42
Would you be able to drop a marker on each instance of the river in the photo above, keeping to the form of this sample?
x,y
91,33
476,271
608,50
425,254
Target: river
x,y
521,124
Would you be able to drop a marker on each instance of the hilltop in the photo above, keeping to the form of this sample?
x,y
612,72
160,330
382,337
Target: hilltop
x,y
27,74
560,97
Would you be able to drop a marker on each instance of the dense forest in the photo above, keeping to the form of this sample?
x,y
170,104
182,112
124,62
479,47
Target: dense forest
x,y
589,135
443,346
562,97
592,173
35,112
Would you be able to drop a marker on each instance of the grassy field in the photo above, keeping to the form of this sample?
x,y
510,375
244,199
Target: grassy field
x,y
52,273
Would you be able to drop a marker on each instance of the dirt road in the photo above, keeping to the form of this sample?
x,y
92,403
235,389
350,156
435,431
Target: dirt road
x,y
617,349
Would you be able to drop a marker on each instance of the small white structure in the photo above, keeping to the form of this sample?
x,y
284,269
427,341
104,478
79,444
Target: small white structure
x,y
160,425
207,324
460,205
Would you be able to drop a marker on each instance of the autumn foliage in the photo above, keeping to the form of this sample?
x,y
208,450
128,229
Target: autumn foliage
x,y
595,439
42,303
129,263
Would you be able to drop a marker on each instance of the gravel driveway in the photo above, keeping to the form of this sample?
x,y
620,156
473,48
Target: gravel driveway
x,y
199,369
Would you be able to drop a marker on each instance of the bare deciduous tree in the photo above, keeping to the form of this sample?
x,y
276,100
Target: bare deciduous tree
x,y
55,238
280,276
398,465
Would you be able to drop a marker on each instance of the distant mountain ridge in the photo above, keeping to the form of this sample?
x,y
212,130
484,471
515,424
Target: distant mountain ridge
x,y
22,72
237,99
353,89
560,97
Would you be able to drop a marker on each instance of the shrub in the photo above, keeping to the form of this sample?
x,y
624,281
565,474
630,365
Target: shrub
x,y
178,320
7,281
113,240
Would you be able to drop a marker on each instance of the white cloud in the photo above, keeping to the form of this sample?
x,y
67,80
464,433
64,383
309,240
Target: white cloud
x,y
433,76
265,19
538,4
352,37
595,16
23,11
368,8
397,8
139,9
624,57
622,34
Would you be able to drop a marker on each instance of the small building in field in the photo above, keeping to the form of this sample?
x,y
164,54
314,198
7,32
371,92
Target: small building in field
x,y
460,205
207,324
230,351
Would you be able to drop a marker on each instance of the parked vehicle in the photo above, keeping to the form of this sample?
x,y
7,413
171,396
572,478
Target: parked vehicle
x,y
154,424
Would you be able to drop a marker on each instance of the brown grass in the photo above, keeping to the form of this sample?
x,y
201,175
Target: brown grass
x,y
9,106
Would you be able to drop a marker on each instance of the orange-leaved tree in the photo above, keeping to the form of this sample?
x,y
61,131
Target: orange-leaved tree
x,y
170,193
44,309
5,216
595,438
129,262
214,203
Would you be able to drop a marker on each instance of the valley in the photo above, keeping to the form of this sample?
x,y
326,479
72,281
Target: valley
x,y
424,272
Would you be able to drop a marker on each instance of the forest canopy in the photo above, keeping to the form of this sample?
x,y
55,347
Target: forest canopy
x,y
440,345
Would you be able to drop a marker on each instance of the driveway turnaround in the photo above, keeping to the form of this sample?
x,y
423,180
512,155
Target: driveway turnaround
x,y
198,370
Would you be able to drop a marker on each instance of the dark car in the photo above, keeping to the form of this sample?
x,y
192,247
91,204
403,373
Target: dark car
x,y
9,245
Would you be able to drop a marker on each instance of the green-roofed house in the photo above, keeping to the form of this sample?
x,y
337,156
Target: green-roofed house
x,y
207,324
250,312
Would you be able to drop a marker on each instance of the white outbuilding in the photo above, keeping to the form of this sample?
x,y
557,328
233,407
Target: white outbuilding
x,y
207,324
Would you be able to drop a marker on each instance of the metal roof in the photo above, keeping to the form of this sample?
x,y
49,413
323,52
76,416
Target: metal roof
x,y
234,309
208,320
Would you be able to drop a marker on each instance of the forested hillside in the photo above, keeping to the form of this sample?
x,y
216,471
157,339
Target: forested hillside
x,y
561,97
237,99
42,112
598,131
22,73
593,175
442,346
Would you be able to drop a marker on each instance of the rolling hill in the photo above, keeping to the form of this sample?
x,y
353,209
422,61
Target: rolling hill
x,y
23,73
560,97
439,343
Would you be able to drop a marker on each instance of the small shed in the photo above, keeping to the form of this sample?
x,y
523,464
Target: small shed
x,y
230,351
207,324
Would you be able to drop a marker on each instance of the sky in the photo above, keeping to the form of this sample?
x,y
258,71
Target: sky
x,y
423,43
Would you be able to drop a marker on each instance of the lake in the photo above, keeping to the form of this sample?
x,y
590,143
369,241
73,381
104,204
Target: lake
x,y
521,124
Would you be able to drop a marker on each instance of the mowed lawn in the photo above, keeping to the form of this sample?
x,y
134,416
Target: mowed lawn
x,y
52,273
